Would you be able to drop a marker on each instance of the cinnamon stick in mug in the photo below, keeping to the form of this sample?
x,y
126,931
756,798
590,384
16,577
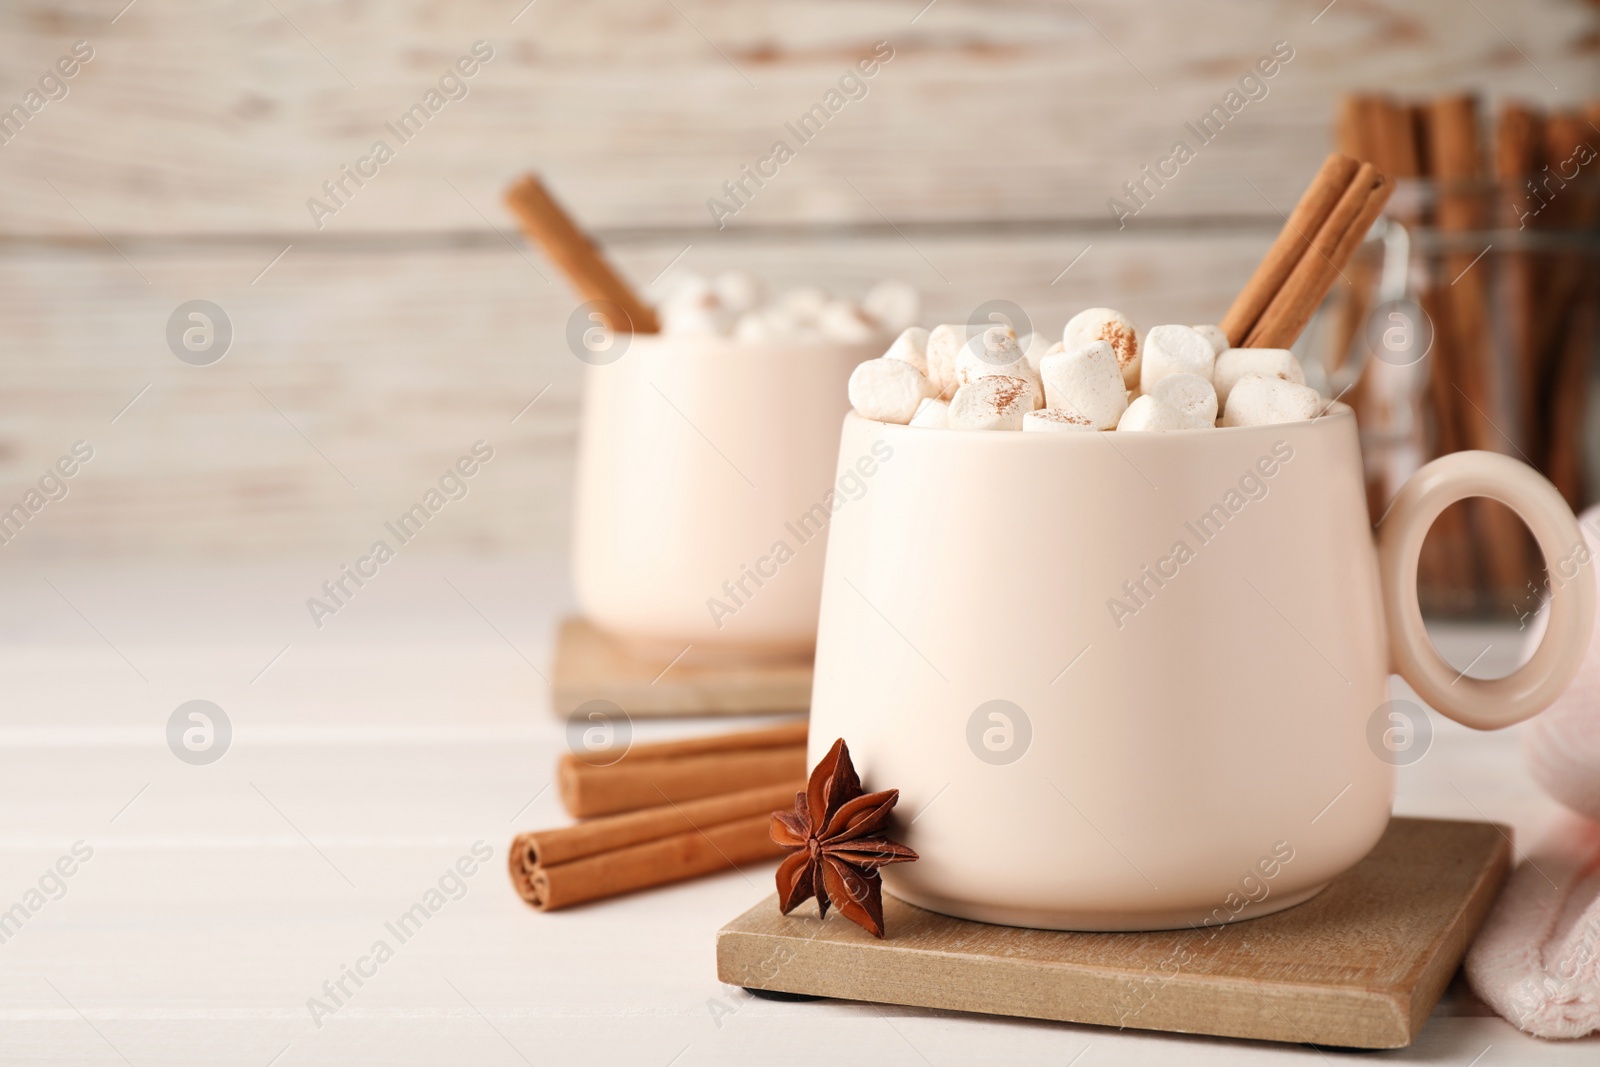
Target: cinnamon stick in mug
x,y
1313,275
1345,250
544,221
667,859
1291,244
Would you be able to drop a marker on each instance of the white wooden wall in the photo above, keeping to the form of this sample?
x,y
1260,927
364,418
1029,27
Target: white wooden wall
x,y
414,322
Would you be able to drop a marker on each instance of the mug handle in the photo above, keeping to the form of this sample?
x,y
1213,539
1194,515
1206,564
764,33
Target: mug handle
x,y
1485,704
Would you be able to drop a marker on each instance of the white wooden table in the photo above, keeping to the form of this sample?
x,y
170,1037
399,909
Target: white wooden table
x,y
368,758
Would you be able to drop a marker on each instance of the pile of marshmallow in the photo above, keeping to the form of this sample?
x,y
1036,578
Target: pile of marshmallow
x,y
1102,375
731,305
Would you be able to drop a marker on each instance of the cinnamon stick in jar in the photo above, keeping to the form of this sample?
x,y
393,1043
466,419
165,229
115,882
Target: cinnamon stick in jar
x,y
1456,150
1380,395
1361,132
1356,128
1570,389
1568,312
1449,568
1398,156
1518,140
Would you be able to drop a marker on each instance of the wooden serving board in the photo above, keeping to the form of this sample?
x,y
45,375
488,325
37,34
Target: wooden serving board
x,y
1360,965
592,665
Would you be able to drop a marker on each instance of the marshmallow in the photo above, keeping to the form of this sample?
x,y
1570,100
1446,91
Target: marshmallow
x,y
705,316
943,344
1149,414
1235,363
933,414
774,326
993,402
996,351
1055,420
1191,396
911,347
754,327
1036,346
1113,327
737,291
1214,334
1174,350
893,305
1257,400
1087,382
731,305
804,302
690,288
693,308
888,390
841,320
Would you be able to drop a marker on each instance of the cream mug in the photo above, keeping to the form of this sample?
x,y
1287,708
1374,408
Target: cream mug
x,y
1135,681
697,458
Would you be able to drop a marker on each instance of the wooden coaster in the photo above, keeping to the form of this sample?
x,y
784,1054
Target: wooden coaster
x,y
592,665
1360,965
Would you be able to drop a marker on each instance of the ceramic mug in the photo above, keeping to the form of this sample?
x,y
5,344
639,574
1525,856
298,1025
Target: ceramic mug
x,y
705,466
1140,681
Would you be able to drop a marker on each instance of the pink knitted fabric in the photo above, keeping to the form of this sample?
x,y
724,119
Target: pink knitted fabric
x,y
1564,742
1537,959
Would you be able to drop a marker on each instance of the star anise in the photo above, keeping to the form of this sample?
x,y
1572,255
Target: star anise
x,y
835,832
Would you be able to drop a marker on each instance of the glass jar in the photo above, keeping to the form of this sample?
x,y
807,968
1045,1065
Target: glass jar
x,y
1470,318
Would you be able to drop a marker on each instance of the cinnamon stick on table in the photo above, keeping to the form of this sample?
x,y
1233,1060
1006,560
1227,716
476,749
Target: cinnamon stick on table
x,y
602,857
1290,246
551,848
649,775
544,221
780,735
668,859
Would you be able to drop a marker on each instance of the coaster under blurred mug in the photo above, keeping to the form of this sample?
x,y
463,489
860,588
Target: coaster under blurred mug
x,y
705,485
1140,681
